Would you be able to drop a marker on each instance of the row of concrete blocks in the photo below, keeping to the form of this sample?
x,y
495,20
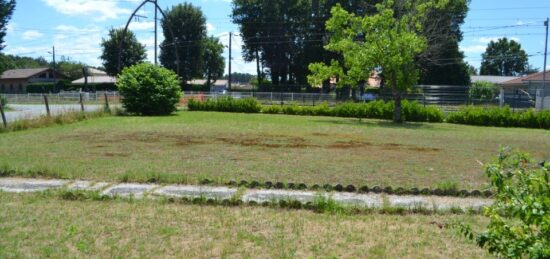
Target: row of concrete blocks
x,y
370,200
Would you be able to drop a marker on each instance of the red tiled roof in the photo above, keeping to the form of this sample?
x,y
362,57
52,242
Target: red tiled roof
x,y
532,77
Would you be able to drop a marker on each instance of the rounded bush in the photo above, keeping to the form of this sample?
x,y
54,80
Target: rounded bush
x,y
291,186
339,188
147,89
376,189
388,190
414,191
243,183
279,185
364,189
268,184
232,183
302,186
315,187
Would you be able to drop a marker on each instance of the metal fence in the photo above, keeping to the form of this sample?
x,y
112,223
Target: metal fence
x,y
448,98
63,98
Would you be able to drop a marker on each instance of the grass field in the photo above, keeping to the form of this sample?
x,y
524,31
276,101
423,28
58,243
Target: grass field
x,y
191,146
38,225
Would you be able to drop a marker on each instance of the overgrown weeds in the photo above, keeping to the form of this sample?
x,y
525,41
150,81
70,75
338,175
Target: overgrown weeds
x,y
46,121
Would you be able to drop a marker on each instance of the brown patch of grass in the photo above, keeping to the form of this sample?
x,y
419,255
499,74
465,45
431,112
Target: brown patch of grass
x,y
109,154
349,144
272,141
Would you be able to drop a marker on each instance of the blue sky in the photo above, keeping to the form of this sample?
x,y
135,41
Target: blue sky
x,y
76,27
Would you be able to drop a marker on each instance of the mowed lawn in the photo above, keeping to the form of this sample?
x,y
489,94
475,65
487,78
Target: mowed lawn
x,y
39,226
191,146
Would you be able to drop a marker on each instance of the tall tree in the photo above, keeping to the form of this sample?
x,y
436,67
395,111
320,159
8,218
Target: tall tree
x,y
504,58
6,10
133,52
275,32
213,60
388,41
72,69
188,24
442,63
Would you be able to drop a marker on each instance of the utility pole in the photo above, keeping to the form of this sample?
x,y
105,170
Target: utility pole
x,y
156,21
54,75
229,77
546,23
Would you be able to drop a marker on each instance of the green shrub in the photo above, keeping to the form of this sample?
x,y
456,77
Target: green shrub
x,y
519,224
3,100
500,117
226,104
379,109
149,90
483,91
272,109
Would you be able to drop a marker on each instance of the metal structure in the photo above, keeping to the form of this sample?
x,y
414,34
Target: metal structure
x,y
157,8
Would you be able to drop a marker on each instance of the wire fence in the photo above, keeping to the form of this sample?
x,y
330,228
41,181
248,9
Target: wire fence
x,y
448,98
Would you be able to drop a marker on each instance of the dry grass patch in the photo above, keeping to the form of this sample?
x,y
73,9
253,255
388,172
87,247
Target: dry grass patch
x,y
35,225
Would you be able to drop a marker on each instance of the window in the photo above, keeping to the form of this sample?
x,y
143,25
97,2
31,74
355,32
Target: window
x,y
11,87
2,88
20,88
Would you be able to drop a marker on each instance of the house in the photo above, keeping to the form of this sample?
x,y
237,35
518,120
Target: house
x,y
15,81
218,86
532,87
95,76
492,79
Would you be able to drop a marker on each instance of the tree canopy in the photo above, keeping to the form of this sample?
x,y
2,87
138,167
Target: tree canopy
x,y
388,41
133,52
188,24
285,36
504,58
6,10
214,63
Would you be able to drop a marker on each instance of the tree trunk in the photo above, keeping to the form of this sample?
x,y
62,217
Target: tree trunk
x,y
397,109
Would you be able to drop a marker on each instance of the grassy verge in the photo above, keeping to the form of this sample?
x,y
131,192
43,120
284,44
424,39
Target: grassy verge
x,y
36,225
46,121
191,146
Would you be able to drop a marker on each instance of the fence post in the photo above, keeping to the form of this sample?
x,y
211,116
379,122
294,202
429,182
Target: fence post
x,y
5,122
47,105
106,102
81,102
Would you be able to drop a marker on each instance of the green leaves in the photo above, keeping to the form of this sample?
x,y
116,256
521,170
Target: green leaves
x,y
149,90
520,219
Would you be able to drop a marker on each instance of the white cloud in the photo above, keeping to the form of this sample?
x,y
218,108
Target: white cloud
x,y
31,35
102,10
473,49
142,26
210,28
10,27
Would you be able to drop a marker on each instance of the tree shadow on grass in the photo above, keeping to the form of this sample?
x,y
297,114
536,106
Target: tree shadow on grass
x,y
379,123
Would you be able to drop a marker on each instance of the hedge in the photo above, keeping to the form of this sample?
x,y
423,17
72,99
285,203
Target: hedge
x,y
226,104
500,117
412,111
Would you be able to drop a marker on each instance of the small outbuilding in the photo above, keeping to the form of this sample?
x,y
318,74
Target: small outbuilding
x,y
15,81
535,87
